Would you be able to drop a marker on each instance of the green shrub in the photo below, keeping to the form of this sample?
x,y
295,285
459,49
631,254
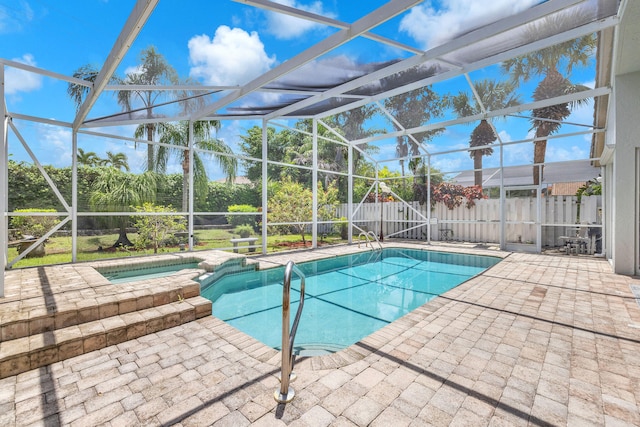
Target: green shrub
x,y
243,230
36,226
236,220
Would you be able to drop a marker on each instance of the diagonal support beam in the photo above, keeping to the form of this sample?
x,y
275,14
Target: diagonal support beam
x,y
309,16
362,25
130,31
496,28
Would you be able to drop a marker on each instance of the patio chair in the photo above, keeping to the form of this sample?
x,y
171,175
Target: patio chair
x,y
580,243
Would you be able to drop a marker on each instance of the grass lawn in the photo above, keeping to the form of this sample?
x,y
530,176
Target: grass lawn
x,y
58,249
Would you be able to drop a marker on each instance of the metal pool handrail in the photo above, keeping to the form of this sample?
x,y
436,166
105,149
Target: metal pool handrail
x,y
286,394
366,235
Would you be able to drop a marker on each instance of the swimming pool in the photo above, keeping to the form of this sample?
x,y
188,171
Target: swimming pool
x,y
130,273
346,298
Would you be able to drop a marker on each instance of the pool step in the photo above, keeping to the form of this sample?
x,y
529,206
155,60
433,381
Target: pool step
x,y
39,349
107,300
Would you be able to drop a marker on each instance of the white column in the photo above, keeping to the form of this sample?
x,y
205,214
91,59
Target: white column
x,y
314,186
503,204
191,195
4,186
74,196
625,198
350,195
429,199
265,172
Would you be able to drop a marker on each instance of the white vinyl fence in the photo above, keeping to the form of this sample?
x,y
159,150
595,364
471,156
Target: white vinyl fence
x,y
480,223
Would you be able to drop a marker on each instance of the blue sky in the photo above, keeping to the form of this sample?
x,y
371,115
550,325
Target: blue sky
x,y
226,43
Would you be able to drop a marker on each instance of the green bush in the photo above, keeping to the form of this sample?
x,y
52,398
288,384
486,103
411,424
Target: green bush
x,y
243,230
36,226
236,220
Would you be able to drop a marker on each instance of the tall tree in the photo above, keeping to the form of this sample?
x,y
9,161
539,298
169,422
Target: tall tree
x,y
153,70
351,124
117,160
492,95
550,62
117,191
177,135
87,158
413,109
251,146
78,92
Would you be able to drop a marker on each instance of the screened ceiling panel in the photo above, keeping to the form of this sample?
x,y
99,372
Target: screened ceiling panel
x,y
341,59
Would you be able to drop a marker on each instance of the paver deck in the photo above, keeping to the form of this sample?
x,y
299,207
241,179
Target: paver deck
x,y
535,340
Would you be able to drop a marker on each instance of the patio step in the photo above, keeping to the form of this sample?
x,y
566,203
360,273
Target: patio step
x,y
110,300
39,349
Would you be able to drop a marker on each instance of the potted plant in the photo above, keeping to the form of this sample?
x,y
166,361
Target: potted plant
x,y
244,230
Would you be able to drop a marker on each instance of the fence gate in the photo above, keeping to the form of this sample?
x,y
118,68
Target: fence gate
x,y
522,219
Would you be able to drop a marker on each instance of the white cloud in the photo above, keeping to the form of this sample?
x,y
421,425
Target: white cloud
x,y
15,18
286,27
504,136
583,114
448,163
17,80
133,70
559,154
232,57
56,142
431,26
518,154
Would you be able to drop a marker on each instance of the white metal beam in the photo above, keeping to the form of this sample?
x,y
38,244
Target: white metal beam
x,y
4,186
497,28
378,16
43,72
309,16
44,173
138,17
497,113
520,50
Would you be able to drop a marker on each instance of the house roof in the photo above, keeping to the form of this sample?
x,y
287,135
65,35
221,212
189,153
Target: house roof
x,y
575,171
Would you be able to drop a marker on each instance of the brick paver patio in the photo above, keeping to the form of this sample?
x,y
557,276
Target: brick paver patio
x,y
535,340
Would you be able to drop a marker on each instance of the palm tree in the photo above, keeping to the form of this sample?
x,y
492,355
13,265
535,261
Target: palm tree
x,y
117,160
492,96
549,62
177,135
413,109
153,70
87,158
117,191
78,92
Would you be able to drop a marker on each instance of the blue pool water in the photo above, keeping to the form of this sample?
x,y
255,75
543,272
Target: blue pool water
x,y
346,298
132,274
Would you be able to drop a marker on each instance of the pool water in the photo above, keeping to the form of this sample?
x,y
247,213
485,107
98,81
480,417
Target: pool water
x,y
346,298
131,274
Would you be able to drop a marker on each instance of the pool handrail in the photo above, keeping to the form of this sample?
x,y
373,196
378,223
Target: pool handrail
x,y
375,237
286,394
368,241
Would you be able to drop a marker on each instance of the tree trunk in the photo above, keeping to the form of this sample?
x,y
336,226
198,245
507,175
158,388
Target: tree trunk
x,y
150,151
477,165
539,152
123,240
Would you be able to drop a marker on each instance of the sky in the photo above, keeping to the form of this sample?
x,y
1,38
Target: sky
x,y
227,43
